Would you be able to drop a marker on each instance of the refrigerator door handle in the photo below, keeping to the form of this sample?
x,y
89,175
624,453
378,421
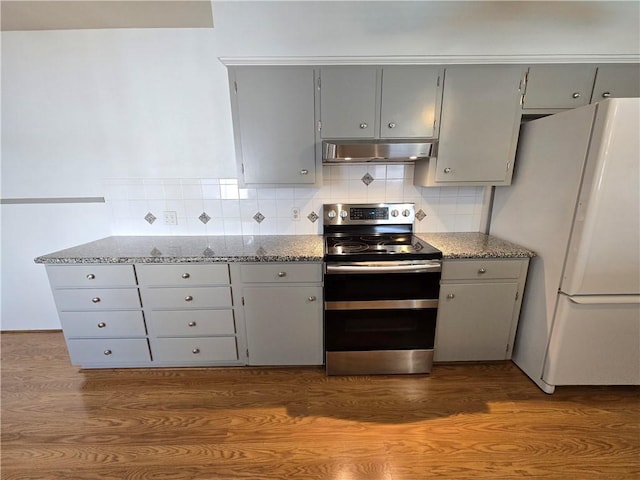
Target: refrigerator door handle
x,y
603,299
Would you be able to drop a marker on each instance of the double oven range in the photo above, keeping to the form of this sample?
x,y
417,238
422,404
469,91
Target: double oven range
x,y
381,288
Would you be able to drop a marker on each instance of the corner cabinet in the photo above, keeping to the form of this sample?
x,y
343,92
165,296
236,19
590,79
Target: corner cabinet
x,y
367,102
273,112
479,308
282,306
479,127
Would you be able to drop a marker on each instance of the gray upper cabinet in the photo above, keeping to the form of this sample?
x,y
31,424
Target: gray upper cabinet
x,y
551,87
479,127
273,111
361,102
616,81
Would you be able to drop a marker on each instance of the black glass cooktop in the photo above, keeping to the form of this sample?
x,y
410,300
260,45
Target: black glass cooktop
x,y
367,247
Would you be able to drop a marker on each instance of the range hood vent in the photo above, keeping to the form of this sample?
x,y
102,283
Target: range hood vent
x,y
386,151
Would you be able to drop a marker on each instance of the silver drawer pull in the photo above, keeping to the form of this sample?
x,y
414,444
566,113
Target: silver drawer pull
x,y
102,325
192,324
576,95
186,275
606,94
363,125
482,270
450,296
311,298
282,274
107,352
195,351
91,276
188,298
447,170
95,299
392,125
304,171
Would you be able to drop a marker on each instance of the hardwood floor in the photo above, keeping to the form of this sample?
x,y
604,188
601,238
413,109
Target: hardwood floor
x,y
460,422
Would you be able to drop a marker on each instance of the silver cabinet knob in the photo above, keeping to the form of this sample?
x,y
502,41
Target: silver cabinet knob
x,y
192,324
95,299
107,352
311,298
195,351
606,94
102,325
363,125
91,276
304,171
447,170
451,295
482,270
576,95
186,275
391,125
282,274
188,298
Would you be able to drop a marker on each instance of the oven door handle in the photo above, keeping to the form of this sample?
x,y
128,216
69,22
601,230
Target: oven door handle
x,y
384,268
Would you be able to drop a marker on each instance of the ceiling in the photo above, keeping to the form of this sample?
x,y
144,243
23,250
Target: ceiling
x,y
90,14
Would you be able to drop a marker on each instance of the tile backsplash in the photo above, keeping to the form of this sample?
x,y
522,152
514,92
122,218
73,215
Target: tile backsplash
x,y
217,206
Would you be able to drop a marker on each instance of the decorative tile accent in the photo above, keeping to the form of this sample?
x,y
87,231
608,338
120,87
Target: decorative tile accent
x,y
420,215
207,252
204,218
155,252
261,252
258,217
150,217
313,216
367,179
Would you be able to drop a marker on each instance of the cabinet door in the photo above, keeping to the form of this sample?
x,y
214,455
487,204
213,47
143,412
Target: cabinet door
x,y
274,124
474,321
616,81
479,124
284,325
348,102
559,86
409,102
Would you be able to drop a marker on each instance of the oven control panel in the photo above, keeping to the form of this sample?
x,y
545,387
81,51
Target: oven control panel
x,y
368,214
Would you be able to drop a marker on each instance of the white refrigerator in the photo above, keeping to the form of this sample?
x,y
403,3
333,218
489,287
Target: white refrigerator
x,y
575,201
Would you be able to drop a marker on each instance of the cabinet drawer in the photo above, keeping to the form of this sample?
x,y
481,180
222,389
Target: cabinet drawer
x,y
195,350
281,273
183,274
191,323
108,351
96,299
481,269
188,297
91,275
102,324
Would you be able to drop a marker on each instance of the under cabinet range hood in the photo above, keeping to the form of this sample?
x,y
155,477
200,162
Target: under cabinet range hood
x,y
384,151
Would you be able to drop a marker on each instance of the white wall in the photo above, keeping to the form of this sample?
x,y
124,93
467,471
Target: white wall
x,y
101,112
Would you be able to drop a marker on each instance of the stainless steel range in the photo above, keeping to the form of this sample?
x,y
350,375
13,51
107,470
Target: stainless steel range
x,y
381,290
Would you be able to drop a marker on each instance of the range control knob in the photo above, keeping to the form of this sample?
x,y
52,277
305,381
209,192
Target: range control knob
x,y
394,213
406,212
343,214
331,214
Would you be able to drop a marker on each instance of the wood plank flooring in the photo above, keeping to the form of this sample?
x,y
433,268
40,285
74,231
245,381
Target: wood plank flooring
x,y
460,422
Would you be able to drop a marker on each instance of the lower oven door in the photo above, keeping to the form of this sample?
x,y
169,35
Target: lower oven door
x,y
380,324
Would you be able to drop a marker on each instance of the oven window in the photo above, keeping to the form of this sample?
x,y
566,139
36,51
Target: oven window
x,y
363,330
388,286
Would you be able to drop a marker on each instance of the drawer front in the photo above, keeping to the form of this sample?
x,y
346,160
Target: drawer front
x,y
194,350
96,299
190,297
91,275
191,323
120,351
183,274
481,269
281,273
102,324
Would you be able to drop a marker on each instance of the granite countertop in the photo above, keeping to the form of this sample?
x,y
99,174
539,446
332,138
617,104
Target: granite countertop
x,y
259,248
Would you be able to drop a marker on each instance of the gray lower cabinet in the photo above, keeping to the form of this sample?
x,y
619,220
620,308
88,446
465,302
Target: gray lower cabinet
x,y
282,305
479,127
101,315
479,309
